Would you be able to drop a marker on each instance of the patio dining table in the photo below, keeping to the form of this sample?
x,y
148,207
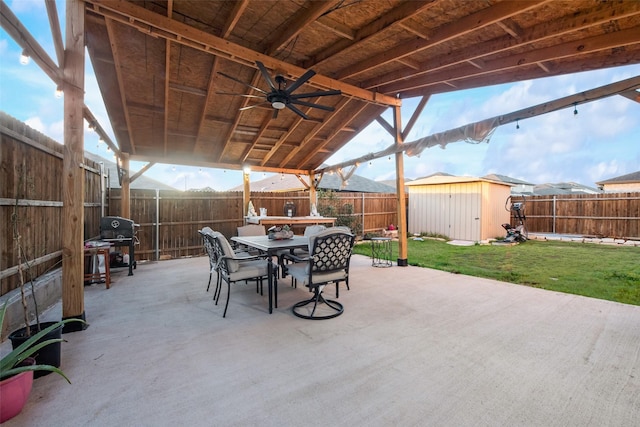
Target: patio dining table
x,y
271,248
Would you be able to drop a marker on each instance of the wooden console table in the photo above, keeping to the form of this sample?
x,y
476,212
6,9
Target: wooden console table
x,y
290,220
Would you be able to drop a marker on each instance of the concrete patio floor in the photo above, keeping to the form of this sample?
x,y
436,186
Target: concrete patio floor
x,y
414,347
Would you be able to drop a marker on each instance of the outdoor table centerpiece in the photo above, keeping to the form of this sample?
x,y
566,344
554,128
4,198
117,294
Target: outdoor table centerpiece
x,y
280,233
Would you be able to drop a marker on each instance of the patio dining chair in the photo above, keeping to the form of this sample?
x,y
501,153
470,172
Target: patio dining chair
x,y
233,268
328,262
250,230
299,252
213,258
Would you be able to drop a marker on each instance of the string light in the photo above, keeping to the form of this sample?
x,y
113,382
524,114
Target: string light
x,y
24,57
575,109
517,123
58,92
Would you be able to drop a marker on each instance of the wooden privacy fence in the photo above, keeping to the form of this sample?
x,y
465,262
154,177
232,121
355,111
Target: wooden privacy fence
x,y
169,220
31,188
603,215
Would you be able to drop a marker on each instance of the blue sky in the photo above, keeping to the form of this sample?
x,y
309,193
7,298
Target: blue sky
x,y
601,142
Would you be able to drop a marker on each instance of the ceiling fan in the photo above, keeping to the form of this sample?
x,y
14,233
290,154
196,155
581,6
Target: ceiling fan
x,y
282,96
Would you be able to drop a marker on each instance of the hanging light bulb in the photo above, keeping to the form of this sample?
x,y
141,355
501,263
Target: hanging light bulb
x,y
575,109
58,92
24,57
370,163
517,123
389,158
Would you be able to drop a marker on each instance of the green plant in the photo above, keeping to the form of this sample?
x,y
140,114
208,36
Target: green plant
x,y
329,205
10,364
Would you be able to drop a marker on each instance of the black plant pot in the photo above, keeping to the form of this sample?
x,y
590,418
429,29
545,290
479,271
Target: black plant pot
x,y
49,355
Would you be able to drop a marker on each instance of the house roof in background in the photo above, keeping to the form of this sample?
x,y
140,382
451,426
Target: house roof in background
x,y
507,179
141,183
287,182
629,178
549,189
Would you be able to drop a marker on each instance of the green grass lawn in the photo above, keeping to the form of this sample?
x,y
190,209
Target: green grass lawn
x,y
598,271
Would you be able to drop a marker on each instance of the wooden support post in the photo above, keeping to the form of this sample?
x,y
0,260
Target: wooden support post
x,y
246,191
73,172
313,190
125,196
402,209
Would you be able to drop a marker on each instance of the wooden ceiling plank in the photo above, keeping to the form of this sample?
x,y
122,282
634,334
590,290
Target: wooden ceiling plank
x,y
161,26
392,18
597,15
118,67
573,48
463,26
305,17
186,89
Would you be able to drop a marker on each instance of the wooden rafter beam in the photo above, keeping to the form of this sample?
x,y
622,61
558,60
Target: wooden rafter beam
x,y
466,25
157,25
387,21
199,145
12,25
238,8
141,171
95,125
56,31
598,15
618,88
516,60
633,95
118,67
316,130
305,17
167,85
257,137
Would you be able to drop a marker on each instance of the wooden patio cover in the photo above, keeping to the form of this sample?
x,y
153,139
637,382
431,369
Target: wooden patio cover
x,y
158,63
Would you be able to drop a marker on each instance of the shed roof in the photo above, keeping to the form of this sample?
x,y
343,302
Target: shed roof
x,y
165,69
441,179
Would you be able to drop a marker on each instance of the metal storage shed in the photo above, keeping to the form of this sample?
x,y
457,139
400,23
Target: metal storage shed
x,y
462,208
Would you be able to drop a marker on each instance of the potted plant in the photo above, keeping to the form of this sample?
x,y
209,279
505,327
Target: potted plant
x,y
17,368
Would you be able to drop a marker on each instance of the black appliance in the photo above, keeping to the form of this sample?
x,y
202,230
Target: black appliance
x,y
120,232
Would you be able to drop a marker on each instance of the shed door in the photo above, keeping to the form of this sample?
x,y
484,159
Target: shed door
x,y
464,211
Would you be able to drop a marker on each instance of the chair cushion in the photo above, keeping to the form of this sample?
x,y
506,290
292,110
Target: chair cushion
x,y
249,270
300,272
227,251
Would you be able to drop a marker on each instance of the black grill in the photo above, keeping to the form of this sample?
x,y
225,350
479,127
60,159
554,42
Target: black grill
x,y
116,228
120,232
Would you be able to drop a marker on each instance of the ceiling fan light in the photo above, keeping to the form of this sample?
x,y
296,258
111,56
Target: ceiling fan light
x,y
278,105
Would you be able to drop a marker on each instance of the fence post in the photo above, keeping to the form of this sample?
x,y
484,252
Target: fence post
x,y
157,225
362,214
554,215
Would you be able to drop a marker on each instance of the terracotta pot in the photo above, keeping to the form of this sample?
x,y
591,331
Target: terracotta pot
x,y
15,392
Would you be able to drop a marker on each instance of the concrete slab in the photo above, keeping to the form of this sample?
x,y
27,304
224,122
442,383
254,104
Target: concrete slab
x,y
414,347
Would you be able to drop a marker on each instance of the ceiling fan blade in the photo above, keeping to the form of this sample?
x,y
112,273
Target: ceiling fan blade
x,y
312,105
314,94
302,80
298,112
240,94
248,107
241,82
265,75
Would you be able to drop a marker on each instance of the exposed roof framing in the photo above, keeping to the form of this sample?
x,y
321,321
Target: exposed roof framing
x,y
158,66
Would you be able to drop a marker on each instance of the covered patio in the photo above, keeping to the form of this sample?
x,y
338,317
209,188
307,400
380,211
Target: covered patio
x,y
414,347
